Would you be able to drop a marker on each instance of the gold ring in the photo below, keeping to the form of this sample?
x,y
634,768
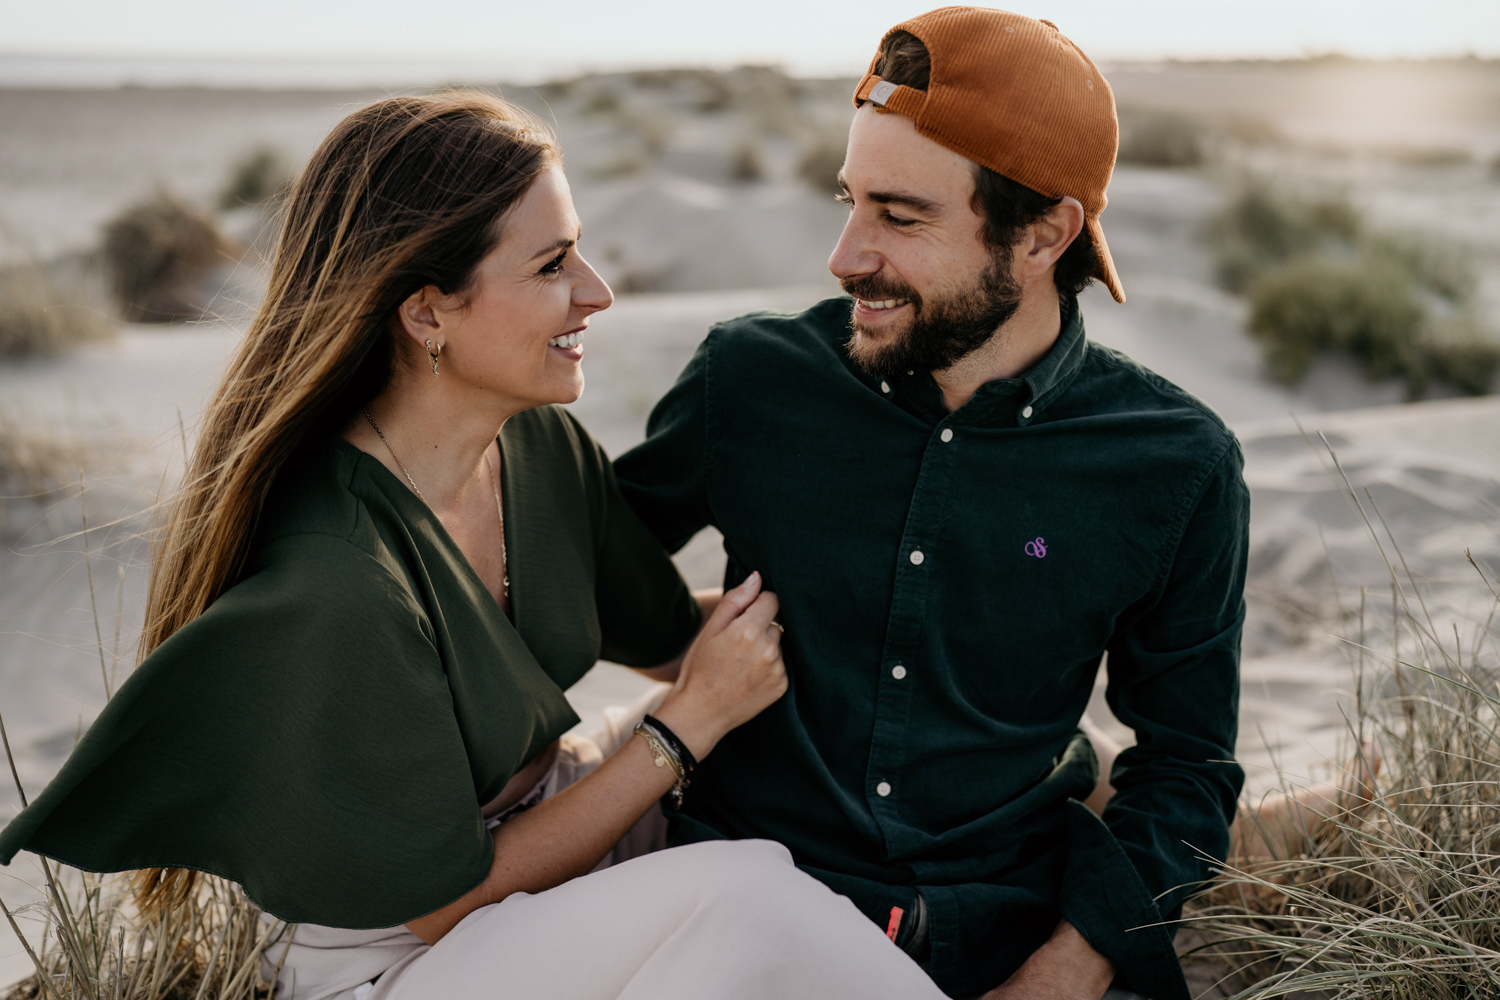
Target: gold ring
x,y
778,624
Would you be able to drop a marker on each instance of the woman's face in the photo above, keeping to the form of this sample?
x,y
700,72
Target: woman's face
x,y
520,334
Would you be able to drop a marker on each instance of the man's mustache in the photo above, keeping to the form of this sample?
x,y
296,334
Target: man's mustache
x,y
873,289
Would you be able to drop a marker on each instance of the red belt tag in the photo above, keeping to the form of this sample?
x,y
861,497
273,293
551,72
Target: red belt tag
x,y
895,925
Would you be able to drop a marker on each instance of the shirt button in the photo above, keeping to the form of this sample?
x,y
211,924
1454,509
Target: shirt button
x,y
917,557
883,789
1026,413
898,672
885,387
947,434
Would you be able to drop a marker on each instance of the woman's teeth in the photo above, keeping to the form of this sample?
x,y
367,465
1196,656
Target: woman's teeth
x,y
882,303
567,340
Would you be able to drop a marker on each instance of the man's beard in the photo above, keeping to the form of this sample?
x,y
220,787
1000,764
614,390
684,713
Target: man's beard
x,y
941,331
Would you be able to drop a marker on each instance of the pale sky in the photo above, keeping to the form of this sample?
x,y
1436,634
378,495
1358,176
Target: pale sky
x,y
537,38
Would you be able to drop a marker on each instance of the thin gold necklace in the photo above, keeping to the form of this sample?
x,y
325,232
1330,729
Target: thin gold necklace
x,y
495,489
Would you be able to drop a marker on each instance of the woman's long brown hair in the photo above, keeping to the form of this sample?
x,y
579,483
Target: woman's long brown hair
x,y
405,193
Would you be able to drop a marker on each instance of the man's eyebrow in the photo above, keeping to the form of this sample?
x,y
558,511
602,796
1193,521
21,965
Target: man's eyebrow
x,y
902,198
562,244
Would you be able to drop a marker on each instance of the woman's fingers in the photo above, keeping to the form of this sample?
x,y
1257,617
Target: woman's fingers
x,y
733,604
762,612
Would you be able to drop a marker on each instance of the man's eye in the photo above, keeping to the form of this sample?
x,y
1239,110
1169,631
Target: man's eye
x,y
844,198
555,265
898,221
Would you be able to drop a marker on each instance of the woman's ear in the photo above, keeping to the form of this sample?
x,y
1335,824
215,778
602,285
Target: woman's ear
x,y
420,317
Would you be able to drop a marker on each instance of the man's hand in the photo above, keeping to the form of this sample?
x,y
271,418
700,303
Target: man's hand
x,y
1065,968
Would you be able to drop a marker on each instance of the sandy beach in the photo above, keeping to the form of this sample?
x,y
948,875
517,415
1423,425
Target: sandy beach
x,y
687,245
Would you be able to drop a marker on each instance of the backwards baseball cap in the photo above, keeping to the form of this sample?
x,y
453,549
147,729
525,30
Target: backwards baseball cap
x,y
1014,95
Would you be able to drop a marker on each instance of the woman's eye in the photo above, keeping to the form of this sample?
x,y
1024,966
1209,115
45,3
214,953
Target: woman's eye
x,y
555,265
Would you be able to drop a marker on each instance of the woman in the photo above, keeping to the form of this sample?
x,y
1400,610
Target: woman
x,y
389,558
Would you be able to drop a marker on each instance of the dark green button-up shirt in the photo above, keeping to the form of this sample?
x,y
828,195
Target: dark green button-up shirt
x,y
949,583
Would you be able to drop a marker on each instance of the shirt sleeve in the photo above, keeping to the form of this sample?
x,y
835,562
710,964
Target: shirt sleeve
x,y
665,478
647,615
1174,679
298,738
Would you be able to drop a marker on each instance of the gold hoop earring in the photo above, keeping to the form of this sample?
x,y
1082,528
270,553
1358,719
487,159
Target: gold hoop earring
x,y
433,350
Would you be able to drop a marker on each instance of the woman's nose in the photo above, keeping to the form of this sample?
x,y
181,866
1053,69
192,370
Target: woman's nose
x,y
592,292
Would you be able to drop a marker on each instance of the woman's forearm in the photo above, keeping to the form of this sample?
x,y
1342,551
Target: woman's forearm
x,y
733,671
562,837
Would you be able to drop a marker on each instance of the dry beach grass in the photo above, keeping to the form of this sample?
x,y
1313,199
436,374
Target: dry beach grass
x,y
1393,894
97,947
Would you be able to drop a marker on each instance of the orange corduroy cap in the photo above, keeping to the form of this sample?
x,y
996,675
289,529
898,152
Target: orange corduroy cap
x,y
1014,95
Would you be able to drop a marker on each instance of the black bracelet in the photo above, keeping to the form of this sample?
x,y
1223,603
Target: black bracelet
x,y
689,762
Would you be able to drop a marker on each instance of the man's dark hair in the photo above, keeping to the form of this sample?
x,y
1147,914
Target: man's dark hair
x,y
1007,206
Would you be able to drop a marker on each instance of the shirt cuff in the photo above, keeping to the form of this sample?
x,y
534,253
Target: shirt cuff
x,y
1104,898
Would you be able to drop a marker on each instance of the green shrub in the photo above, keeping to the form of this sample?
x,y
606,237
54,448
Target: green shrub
x,y
1313,304
1259,229
154,253
604,103
37,318
1367,308
1318,279
745,166
1155,138
260,175
1434,268
1457,352
1428,156
715,94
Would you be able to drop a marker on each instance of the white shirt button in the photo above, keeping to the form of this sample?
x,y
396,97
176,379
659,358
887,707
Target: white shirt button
x,y
883,789
885,387
947,434
1026,413
917,557
898,672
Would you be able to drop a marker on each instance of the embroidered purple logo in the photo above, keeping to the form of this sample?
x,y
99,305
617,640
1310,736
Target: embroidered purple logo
x,y
1037,548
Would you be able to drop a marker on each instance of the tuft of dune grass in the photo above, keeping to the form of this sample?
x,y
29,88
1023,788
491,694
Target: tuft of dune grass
x,y
1396,898
155,253
40,316
259,176
97,947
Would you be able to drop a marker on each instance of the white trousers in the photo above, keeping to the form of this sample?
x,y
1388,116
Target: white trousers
x,y
728,919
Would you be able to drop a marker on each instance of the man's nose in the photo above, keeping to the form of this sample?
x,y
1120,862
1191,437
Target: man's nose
x,y
853,256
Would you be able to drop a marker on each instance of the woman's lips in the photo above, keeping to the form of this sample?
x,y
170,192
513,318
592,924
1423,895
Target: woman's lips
x,y
569,345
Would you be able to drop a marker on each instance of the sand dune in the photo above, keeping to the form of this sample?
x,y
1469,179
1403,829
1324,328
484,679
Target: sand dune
x,y
690,245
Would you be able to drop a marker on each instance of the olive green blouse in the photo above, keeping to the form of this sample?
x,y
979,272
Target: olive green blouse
x,y
325,733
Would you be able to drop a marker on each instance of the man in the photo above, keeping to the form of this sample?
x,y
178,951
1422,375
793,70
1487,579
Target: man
x,y
963,505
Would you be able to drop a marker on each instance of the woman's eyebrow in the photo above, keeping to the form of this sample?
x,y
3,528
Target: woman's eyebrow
x,y
562,244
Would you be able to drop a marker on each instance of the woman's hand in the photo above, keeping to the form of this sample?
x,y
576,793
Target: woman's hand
x,y
732,671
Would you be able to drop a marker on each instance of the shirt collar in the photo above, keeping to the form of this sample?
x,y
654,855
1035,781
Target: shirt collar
x,y
1006,401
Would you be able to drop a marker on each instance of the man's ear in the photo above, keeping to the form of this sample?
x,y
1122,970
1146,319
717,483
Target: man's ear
x,y
420,318
1052,234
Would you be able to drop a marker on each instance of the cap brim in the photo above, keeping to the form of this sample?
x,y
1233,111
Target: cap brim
x,y
1106,272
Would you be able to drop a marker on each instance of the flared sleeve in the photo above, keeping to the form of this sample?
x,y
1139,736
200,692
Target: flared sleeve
x,y
298,738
